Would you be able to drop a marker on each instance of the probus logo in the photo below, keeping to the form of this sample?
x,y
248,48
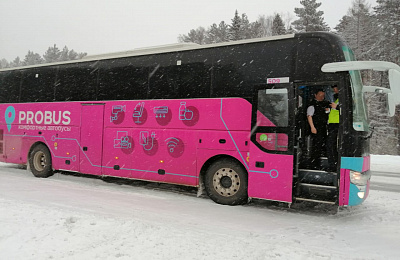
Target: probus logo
x,y
9,117
44,117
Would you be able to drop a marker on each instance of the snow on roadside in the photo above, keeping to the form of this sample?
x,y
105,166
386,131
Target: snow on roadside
x,y
41,232
385,163
68,217
371,231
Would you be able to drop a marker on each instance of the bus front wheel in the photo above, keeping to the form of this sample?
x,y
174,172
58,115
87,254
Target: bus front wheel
x,y
40,161
226,182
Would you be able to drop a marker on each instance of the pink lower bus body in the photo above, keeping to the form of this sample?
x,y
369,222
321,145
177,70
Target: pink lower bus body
x,y
170,141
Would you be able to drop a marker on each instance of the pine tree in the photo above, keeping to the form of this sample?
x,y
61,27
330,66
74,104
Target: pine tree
x,y
388,19
256,30
235,32
240,28
64,54
245,27
73,55
4,64
52,54
195,35
278,28
344,23
359,30
16,62
81,55
365,36
32,58
223,32
385,137
212,34
310,19
217,33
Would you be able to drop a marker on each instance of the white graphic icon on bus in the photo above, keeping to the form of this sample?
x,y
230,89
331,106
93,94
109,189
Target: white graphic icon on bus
x,y
160,111
144,140
138,112
184,112
115,111
172,142
122,140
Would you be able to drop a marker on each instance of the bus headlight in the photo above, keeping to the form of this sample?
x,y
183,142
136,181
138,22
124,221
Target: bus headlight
x,y
355,176
360,178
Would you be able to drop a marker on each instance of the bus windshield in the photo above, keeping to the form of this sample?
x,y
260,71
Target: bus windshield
x,y
360,116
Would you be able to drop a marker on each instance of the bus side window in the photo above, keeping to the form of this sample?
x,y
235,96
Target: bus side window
x,y
272,110
273,141
38,84
132,83
10,82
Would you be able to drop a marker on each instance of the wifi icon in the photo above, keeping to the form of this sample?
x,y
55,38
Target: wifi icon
x,y
172,142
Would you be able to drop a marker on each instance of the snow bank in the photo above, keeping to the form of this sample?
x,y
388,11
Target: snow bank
x,y
385,163
68,217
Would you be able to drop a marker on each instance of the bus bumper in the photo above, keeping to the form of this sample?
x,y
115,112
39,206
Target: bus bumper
x,y
358,194
354,180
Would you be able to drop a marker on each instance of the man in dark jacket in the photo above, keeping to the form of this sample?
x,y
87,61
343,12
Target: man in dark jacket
x,y
317,117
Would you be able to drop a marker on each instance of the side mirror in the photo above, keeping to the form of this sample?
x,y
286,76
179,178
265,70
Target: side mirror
x,y
390,98
394,81
369,88
391,104
375,89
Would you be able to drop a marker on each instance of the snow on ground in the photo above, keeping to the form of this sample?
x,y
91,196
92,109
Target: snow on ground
x,y
385,163
69,217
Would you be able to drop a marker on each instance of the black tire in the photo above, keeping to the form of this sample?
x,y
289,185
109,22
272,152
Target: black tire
x,y
226,182
40,161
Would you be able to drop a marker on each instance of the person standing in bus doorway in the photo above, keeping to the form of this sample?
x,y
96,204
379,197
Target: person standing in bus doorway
x,y
333,128
317,117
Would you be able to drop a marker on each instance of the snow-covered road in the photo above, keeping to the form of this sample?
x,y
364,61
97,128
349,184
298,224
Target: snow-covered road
x,y
70,217
385,173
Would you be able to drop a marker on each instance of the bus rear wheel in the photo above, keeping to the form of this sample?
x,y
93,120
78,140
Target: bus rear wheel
x,y
226,182
40,161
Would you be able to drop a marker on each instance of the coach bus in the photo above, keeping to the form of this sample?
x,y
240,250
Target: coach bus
x,y
228,117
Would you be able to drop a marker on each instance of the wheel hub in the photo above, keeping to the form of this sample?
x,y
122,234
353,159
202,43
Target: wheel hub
x,y
39,161
226,182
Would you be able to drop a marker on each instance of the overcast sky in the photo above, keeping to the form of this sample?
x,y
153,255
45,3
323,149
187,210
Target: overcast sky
x,y
101,26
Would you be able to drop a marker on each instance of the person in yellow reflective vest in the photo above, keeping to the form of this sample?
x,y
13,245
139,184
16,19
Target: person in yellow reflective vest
x,y
333,128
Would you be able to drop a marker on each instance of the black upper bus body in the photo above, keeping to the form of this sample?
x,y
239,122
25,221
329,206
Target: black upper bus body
x,y
229,69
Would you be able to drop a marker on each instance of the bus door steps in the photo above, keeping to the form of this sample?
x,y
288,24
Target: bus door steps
x,y
323,162
324,193
317,201
317,177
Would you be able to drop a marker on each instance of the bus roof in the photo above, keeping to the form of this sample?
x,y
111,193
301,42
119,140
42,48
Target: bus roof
x,y
156,50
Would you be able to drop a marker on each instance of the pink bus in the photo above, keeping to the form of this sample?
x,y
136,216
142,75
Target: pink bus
x,y
229,117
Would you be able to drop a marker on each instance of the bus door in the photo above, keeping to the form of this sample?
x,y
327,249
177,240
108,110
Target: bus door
x,y
91,143
271,155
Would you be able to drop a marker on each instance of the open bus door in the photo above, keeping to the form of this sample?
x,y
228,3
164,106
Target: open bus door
x,y
271,160
314,182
